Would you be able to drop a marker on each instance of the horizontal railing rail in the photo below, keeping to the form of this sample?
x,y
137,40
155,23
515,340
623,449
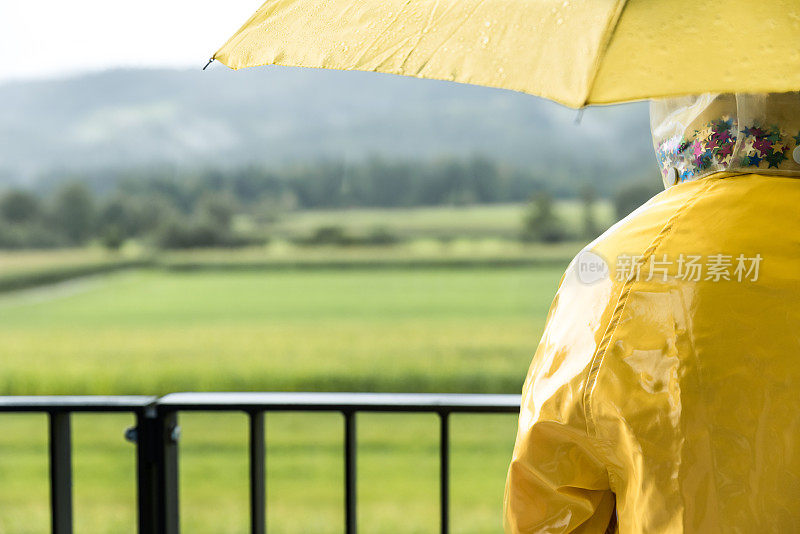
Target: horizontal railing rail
x,y
156,436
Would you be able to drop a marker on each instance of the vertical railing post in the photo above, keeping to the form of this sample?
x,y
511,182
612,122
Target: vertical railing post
x,y
258,474
350,519
444,470
167,458
60,472
156,437
144,435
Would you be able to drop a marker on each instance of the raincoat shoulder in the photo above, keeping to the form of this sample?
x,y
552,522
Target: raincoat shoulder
x,y
660,388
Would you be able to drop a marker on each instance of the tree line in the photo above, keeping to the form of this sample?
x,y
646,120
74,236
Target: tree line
x,y
199,208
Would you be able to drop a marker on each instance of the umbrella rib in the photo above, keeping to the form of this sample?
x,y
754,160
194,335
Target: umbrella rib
x,y
420,34
433,53
608,36
360,59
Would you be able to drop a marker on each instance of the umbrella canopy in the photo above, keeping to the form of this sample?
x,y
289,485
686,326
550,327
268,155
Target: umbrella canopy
x,y
576,52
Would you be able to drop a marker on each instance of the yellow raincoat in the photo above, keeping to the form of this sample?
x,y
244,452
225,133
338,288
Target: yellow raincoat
x,y
665,394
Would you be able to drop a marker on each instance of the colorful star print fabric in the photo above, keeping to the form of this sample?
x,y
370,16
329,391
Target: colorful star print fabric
x,y
706,134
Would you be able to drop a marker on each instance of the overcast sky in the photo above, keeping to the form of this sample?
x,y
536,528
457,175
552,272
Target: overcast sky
x,y
46,38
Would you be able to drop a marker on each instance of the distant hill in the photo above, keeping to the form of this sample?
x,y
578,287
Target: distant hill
x,y
138,118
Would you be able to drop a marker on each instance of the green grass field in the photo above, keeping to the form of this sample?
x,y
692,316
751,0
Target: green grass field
x,y
458,306
460,330
154,331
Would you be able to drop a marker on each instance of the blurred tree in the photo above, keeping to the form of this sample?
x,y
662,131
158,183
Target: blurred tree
x,y
29,235
484,179
152,211
73,211
591,228
541,222
180,233
381,235
329,235
112,237
271,209
119,214
218,209
631,196
19,207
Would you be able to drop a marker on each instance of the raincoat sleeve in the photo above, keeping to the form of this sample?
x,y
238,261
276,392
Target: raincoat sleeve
x,y
557,481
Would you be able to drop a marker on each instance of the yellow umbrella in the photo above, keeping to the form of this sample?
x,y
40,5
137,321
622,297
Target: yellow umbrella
x,y
576,52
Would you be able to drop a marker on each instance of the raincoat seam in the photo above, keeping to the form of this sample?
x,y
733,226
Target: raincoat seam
x,y
622,299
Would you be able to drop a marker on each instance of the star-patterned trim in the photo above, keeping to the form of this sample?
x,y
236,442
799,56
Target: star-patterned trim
x,y
711,149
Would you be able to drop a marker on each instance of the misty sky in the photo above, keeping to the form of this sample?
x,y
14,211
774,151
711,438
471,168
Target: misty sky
x,y
46,38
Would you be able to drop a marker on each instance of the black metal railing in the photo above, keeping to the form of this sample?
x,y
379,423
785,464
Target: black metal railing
x,y
156,437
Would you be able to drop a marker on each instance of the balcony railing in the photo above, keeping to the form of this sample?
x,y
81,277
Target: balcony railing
x,y
156,437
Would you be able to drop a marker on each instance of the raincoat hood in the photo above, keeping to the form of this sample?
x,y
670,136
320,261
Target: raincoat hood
x,y
699,135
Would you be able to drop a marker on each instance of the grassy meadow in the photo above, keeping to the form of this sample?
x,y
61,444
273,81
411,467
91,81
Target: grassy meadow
x,y
151,332
197,320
